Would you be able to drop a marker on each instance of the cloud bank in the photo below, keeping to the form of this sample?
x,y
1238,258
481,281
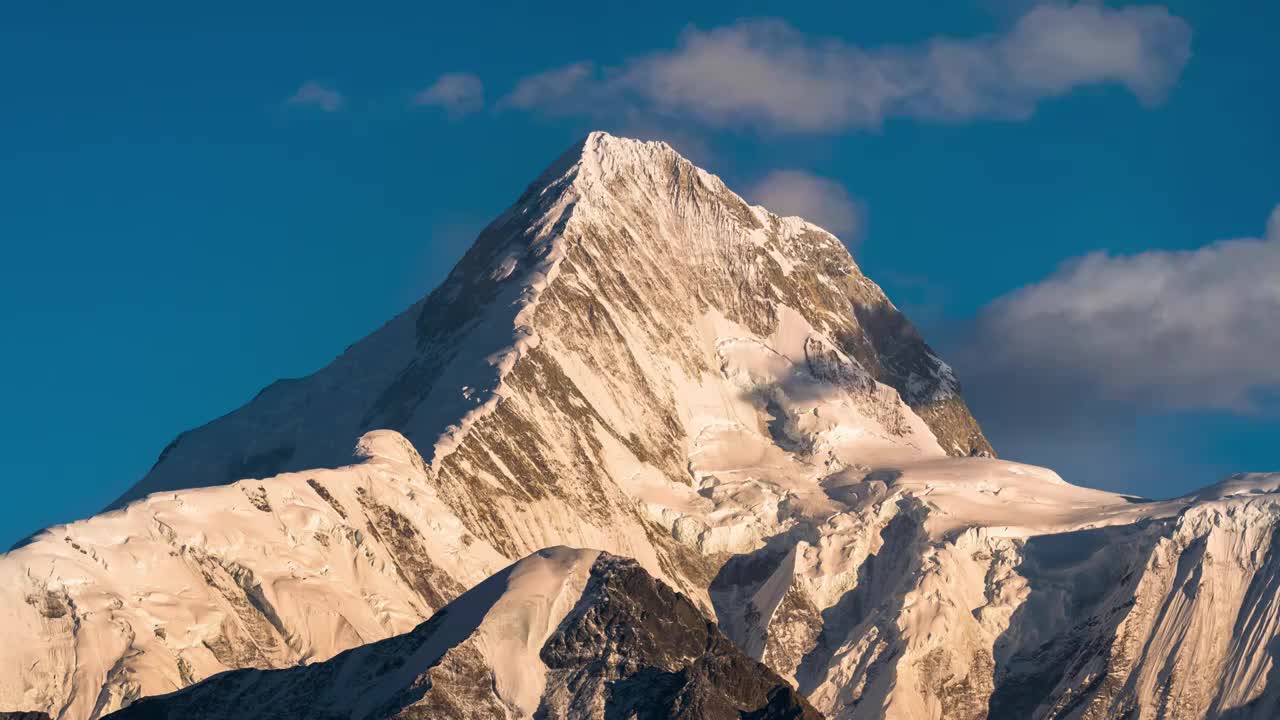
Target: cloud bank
x,y
1191,330
818,200
766,74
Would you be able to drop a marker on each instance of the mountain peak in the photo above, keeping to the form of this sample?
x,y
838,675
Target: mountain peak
x,y
617,231
603,149
593,164
607,157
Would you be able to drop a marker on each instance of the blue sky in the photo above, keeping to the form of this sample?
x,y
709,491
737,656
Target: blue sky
x,y
194,203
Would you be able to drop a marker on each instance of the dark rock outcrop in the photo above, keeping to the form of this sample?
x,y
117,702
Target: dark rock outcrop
x,y
631,647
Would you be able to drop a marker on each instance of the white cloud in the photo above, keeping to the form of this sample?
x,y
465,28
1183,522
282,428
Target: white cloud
x,y
313,94
458,93
1195,329
551,89
821,201
767,74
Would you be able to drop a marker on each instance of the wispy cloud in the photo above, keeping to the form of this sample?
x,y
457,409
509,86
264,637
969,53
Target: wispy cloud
x,y
821,201
571,85
457,93
315,95
1174,329
765,73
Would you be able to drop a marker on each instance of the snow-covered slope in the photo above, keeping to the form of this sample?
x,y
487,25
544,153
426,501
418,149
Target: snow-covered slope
x,y
563,633
180,586
631,358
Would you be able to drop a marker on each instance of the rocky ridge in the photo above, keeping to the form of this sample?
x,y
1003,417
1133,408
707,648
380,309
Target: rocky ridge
x,y
563,634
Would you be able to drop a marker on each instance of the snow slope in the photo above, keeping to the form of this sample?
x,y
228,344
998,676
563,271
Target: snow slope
x,y
180,586
631,358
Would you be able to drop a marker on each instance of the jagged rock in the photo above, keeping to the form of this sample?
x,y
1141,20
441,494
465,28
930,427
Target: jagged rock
x,y
563,634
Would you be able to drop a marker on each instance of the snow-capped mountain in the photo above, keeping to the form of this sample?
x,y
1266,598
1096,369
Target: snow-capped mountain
x,y
634,359
563,633
613,271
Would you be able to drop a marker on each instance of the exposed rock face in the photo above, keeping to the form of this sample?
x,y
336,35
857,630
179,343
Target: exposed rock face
x,y
633,647
612,642
1182,626
631,358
